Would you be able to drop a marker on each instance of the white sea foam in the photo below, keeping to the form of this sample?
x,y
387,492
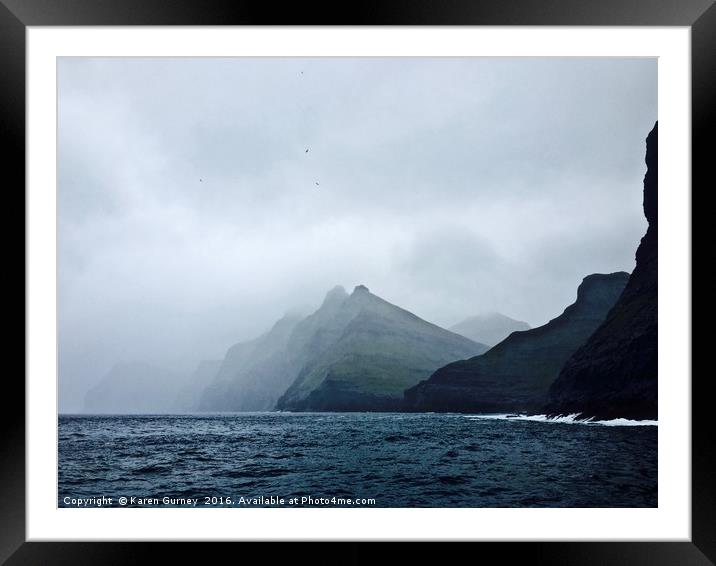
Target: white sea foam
x,y
565,419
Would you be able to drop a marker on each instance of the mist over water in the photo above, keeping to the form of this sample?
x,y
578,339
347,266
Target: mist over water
x,y
400,460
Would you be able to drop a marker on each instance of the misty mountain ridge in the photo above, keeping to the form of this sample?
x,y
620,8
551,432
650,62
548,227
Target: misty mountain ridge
x,y
256,373
355,352
187,398
136,387
253,374
365,353
358,343
488,328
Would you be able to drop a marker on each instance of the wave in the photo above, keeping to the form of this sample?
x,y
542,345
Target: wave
x,y
152,468
564,419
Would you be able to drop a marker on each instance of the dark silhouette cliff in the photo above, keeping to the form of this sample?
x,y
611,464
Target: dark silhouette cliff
x,y
515,375
614,374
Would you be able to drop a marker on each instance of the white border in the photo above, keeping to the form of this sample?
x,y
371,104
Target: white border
x,y
670,521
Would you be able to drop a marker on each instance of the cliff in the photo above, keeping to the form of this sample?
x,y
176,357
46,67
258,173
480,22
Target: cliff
x,y
614,374
515,375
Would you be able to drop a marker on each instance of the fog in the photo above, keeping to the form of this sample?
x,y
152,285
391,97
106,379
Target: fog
x,y
191,217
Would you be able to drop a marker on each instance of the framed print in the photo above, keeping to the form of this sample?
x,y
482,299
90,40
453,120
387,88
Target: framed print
x,y
421,274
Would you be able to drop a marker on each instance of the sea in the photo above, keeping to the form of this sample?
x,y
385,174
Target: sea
x,y
354,460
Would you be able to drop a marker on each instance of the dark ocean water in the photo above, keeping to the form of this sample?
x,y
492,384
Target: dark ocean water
x,y
399,460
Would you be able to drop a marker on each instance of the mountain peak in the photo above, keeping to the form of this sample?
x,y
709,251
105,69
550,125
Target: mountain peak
x,y
361,289
589,279
594,286
335,296
337,290
489,327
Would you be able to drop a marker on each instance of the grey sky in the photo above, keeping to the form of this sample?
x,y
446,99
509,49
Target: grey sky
x,y
189,218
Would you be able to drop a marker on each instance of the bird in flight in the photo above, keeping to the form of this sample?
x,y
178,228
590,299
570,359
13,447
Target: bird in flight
x,y
306,150
316,183
201,180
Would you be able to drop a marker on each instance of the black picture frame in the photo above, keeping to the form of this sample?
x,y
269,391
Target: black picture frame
x,y
17,15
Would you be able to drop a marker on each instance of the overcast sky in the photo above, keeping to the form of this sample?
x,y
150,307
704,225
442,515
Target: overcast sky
x,y
189,217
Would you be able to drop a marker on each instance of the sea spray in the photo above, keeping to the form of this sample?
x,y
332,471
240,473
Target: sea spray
x,y
564,419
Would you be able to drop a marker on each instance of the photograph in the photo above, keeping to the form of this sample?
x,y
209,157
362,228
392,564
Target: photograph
x,y
357,282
